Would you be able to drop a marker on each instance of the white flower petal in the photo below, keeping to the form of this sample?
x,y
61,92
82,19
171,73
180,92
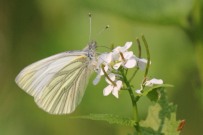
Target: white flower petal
x,y
126,46
153,81
156,81
117,49
138,91
131,63
107,90
101,58
115,93
100,71
128,55
106,67
142,63
109,58
115,56
97,79
104,58
117,88
119,84
117,65
112,77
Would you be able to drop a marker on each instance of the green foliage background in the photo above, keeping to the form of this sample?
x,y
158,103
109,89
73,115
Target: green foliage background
x,y
35,29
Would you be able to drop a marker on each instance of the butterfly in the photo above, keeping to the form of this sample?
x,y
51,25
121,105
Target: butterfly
x,y
58,82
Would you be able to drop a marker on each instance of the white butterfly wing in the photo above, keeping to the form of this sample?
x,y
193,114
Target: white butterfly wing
x,y
58,82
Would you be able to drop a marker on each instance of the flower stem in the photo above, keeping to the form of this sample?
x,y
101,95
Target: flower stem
x,y
134,102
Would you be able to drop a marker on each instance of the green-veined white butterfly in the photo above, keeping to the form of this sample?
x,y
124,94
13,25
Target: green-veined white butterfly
x,y
58,83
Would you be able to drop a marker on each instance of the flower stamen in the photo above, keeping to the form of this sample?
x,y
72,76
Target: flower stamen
x,y
122,57
102,67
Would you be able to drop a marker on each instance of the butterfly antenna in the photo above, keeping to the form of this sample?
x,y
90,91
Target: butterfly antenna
x,y
105,28
90,32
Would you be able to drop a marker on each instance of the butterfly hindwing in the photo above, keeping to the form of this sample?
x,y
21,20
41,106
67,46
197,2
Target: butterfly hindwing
x,y
66,89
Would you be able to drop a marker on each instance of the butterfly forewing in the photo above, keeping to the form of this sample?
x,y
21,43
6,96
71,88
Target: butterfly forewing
x,y
58,82
37,75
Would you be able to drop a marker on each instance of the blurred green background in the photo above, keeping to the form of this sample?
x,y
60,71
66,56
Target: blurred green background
x,y
35,29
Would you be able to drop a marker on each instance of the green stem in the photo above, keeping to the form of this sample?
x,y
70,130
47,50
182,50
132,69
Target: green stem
x,y
134,102
148,56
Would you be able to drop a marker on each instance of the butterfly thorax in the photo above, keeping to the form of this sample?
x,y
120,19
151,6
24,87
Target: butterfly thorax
x,y
91,50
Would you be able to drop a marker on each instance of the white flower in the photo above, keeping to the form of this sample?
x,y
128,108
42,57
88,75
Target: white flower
x,y
103,60
124,48
99,74
141,63
153,81
124,57
113,89
112,77
149,83
130,60
107,61
138,91
97,79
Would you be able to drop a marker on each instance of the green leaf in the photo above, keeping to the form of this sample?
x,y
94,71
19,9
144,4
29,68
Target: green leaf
x,y
153,95
148,89
161,116
153,121
110,118
167,107
170,125
148,131
152,92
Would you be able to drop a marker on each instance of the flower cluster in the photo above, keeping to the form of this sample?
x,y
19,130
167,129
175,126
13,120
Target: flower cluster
x,y
110,65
